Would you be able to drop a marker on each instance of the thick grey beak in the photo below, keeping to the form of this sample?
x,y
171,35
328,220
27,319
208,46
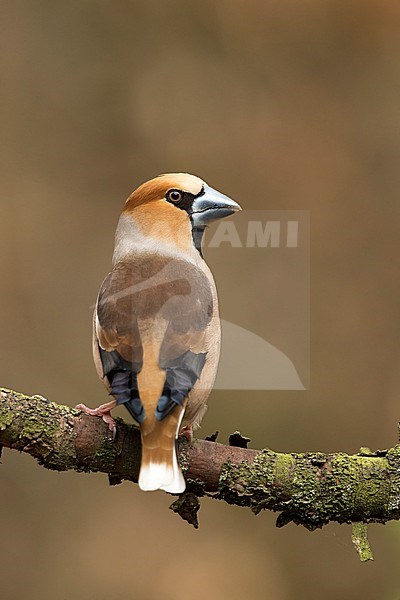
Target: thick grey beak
x,y
210,206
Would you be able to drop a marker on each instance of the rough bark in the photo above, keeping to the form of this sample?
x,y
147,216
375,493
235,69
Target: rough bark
x,y
309,488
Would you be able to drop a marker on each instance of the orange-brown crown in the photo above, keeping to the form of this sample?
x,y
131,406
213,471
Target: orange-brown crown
x,y
156,189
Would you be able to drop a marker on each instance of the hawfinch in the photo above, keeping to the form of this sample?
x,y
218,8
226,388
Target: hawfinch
x,y
156,335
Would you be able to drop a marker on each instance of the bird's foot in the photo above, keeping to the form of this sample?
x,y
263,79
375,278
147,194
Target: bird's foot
x,y
187,432
102,411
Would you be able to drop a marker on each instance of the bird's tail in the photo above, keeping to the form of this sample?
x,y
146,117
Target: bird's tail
x,y
159,468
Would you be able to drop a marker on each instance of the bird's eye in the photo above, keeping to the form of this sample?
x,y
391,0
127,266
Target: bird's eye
x,y
174,196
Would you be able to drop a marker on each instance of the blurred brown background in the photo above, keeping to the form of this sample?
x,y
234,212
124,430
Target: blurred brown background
x,y
282,105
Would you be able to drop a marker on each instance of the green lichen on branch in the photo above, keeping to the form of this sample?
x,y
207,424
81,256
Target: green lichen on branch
x,y
60,437
312,489
309,488
35,425
360,541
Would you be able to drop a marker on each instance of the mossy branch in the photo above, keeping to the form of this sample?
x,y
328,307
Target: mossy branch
x,y
309,488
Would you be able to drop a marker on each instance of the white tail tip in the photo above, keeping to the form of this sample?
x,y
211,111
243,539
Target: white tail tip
x,y
161,476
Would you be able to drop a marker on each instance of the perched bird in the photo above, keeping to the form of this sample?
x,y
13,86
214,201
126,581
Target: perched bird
x,y
156,338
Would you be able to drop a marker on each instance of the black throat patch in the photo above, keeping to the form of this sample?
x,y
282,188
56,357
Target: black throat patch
x,y
197,235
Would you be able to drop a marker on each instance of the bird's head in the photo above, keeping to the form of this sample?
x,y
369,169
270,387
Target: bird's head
x,y
175,208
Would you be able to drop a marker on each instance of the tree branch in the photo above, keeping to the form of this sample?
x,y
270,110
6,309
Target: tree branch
x,y
309,488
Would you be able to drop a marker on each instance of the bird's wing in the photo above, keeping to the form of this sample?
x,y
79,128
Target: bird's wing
x,y
153,305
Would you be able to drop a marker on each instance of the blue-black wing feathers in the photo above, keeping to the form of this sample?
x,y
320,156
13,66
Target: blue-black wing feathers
x,y
181,375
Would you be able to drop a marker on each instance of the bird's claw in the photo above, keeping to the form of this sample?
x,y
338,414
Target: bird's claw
x,y
112,426
102,412
187,432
